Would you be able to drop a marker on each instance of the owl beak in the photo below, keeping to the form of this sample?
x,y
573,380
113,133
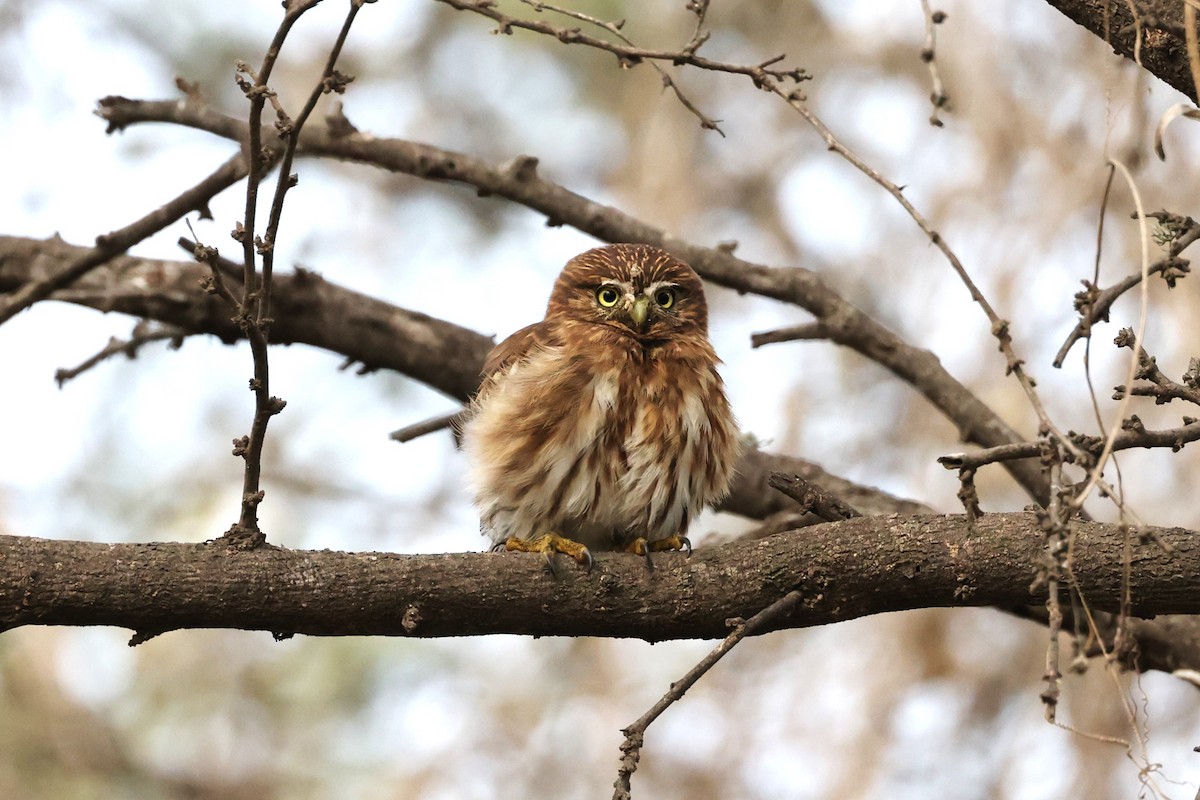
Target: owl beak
x,y
639,311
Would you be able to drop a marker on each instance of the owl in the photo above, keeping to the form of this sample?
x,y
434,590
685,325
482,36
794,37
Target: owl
x,y
605,426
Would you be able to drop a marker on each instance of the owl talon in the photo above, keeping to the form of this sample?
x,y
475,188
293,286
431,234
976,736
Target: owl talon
x,y
640,547
548,544
676,542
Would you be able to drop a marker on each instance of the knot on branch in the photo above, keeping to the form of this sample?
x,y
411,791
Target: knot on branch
x,y
338,125
241,538
109,109
1175,268
569,35
336,82
204,253
411,619
1191,378
521,169
1087,299
1134,424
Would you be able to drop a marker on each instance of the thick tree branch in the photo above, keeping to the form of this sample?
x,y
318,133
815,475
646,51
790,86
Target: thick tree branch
x,y
845,570
1149,32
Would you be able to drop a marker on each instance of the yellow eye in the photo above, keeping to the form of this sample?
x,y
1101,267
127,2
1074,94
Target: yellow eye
x,y
665,298
607,296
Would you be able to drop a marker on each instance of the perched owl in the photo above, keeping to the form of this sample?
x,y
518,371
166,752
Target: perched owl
x,y
605,425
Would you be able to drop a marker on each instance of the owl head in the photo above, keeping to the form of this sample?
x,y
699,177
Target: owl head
x,y
637,289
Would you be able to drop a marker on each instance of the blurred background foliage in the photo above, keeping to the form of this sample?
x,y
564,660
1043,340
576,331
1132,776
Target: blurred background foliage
x,y
930,704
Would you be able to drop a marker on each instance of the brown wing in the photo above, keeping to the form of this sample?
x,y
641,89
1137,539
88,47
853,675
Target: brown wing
x,y
517,346
513,349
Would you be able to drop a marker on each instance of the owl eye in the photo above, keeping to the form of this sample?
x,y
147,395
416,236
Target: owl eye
x,y
665,298
607,296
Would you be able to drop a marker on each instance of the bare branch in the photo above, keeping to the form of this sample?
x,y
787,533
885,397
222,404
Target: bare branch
x,y
417,430
253,307
760,74
614,28
634,735
937,97
1133,435
1094,303
330,81
809,331
143,333
1161,388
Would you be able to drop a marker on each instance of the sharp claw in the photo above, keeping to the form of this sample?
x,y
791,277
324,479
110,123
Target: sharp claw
x,y
549,544
649,561
686,545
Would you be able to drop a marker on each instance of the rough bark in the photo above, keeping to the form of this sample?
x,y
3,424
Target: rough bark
x,y
1159,23
846,570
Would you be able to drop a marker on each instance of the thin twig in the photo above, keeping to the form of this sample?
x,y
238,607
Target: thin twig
x,y
1087,345
331,81
1094,304
1053,519
1161,388
809,331
1130,437
937,97
634,734
761,73
1097,471
226,267
699,37
419,429
614,28
254,304
143,333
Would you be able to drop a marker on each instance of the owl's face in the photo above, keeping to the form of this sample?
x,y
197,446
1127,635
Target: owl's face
x,y
635,289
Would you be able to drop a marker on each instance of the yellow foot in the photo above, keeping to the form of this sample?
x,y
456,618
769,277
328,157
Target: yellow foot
x,y
641,547
550,543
